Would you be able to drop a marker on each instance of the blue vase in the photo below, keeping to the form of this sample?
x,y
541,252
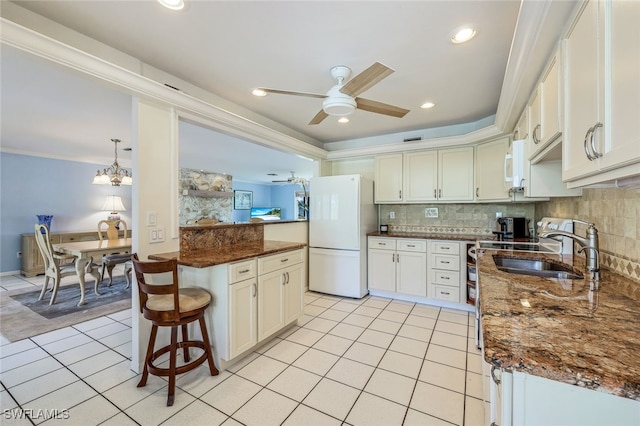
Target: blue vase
x,y
45,219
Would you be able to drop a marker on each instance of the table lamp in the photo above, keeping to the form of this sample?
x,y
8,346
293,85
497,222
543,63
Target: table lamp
x,y
113,204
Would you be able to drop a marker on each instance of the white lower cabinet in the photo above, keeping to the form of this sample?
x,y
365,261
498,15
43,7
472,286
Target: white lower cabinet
x,y
418,270
252,300
523,399
398,266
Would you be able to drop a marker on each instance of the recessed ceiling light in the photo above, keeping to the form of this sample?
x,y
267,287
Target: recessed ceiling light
x,y
427,105
343,120
463,34
172,4
258,92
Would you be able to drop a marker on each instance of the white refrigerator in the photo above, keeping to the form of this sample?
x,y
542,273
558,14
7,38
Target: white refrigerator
x,y
340,216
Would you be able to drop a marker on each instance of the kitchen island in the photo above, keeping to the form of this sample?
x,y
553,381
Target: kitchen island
x,y
257,285
567,354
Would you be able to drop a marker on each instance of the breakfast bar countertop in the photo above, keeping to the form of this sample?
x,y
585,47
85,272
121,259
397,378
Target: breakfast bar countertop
x,y
432,236
227,254
559,329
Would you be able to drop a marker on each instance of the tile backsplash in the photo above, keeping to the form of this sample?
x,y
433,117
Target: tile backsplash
x,y
616,214
476,219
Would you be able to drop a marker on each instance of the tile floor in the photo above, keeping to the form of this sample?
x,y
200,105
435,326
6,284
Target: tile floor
x,y
372,361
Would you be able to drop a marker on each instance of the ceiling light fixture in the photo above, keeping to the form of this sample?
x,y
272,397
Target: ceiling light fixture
x,y
258,92
114,174
462,35
343,120
172,4
427,105
338,103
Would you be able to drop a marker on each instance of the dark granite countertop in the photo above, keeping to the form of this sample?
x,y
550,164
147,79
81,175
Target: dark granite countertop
x,y
559,329
227,254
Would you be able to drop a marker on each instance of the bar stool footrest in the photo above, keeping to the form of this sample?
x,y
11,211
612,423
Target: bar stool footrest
x,y
159,371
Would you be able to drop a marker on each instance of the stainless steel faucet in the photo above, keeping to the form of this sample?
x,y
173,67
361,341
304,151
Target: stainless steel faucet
x,y
588,245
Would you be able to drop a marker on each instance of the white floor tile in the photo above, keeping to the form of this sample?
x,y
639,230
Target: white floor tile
x,y
447,356
458,318
286,351
376,338
409,346
231,394
200,381
127,393
333,344
348,331
332,398
21,358
81,352
426,311
42,385
320,324
452,328
304,336
316,361
474,385
63,399
420,321
473,412
358,320
345,306
390,315
93,411
16,347
413,332
262,370
352,373
266,408
107,330
400,363
118,338
367,354
111,376
474,362
324,302
93,324
438,402
304,415
119,420
443,375
55,335
367,311
371,410
449,340
96,363
68,343
391,386
313,310
333,315
29,371
294,383
377,302
386,326
153,409
195,414
416,418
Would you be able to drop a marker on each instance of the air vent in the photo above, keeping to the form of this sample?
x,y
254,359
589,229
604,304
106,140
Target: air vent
x,y
417,138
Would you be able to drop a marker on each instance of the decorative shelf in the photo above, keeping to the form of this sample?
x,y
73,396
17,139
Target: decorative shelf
x,y
208,194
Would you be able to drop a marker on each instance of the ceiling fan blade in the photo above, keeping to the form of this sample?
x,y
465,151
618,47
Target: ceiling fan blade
x,y
380,108
366,79
321,115
289,92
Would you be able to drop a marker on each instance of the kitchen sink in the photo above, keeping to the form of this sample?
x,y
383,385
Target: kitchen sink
x,y
536,267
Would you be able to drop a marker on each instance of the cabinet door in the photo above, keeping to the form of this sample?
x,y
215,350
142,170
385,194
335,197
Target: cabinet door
x,y
550,108
490,176
535,122
420,177
382,270
242,317
622,136
293,293
582,81
388,178
455,174
411,273
270,303
522,128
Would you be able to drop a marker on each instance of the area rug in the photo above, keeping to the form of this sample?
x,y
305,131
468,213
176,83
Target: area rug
x,y
22,315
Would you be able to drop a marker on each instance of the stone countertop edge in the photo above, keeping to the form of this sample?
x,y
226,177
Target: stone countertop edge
x,y
206,258
431,236
564,331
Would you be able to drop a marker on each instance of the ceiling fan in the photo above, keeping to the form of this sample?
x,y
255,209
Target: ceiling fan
x,y
342,99
292,179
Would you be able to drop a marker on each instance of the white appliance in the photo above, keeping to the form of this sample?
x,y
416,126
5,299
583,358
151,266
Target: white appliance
x,y
514,161
340,216
556,224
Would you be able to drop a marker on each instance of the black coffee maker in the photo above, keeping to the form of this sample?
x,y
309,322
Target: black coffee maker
x,y
510,228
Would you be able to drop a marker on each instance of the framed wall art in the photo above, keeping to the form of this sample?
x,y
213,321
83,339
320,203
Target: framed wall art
x,y
242,200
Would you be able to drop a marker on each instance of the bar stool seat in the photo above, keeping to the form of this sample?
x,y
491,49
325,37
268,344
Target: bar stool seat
x,y
167,305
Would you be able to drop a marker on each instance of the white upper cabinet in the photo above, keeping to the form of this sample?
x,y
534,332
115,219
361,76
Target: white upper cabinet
x,y
489,173
413,177
602,93
545,110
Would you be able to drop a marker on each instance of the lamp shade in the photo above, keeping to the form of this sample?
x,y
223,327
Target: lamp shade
x,y
113,204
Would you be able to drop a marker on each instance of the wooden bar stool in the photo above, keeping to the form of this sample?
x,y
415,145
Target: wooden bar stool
x,y
166,305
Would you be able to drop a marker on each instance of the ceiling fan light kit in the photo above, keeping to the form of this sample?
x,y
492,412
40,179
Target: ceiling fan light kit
x,y
341,100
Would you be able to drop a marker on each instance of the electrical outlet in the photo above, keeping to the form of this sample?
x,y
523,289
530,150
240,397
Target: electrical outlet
x,y
431,212
19,254
392,215
498,215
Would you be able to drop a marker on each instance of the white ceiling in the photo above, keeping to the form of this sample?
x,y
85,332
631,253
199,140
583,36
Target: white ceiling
x,y
230,47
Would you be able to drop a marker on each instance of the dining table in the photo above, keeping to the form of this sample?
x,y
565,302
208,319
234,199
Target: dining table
x,y
85,251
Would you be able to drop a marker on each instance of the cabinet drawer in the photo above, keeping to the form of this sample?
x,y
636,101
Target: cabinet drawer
x,y
412,245
274,262
444,247
382,243
449,278
446,293
242,270
441,261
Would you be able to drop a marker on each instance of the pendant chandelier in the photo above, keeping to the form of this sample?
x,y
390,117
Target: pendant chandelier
x,y
114,174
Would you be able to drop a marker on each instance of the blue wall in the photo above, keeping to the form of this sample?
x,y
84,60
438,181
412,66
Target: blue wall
x,y
268,196
32,185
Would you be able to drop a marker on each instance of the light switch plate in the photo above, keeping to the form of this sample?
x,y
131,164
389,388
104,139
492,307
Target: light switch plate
x,y
431,212
392,215
151,218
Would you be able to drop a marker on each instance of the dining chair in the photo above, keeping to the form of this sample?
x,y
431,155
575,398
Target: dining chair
x,y
109,261
57,265
166,305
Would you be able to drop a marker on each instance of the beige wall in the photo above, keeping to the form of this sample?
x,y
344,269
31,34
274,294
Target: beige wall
x,y
616,214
